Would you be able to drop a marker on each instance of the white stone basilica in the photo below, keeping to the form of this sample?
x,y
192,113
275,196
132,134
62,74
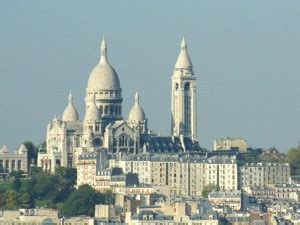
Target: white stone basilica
x,y
103,126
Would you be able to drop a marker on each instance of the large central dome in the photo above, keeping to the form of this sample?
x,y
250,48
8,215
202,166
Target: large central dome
x,y
103,76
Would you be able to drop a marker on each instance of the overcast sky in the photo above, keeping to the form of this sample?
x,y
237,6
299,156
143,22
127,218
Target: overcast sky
x,y
246,56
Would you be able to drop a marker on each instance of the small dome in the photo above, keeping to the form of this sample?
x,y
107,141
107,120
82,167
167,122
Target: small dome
x,y
103,76
136,113
70,114
92,112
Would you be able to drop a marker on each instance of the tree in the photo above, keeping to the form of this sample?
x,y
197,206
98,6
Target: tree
x,y
32,152
107,198
83,200
35,170
209,188
16,185
293,157
80,202
11,199
17,174
70,174
2,196
24,200
132,179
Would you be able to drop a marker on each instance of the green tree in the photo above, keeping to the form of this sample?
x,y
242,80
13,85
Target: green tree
x,y
83,200
32,152
11,199
45,185
132,179
16,185
26,193
2,196
70,174
209,188
80,202
35,170
24,200
107,198
17,174
293,157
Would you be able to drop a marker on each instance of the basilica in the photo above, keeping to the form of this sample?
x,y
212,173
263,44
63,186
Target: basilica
x,y
104,127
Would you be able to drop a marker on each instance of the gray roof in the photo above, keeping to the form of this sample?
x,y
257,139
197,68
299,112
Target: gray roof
x,y
160,144
74,127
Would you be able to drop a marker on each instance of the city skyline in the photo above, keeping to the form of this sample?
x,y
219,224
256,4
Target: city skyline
x,y
263,111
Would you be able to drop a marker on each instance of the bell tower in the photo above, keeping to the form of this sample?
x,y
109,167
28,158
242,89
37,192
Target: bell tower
x,y
183,96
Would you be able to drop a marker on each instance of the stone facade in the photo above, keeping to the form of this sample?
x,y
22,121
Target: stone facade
x,y
231,199
230,144
13,161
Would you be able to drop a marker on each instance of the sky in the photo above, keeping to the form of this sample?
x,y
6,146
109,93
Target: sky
x,y
246,56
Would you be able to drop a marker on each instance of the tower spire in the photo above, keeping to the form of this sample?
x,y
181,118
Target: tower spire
x,y
103,50
183,60
183,44
70,99
137,98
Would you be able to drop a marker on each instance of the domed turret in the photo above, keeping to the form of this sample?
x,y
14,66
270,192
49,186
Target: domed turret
x,y
92,112
103,76
136,113
183,60
70,114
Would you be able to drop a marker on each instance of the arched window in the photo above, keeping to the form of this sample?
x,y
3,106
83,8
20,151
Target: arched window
x,y
101,110
187,86
106,110
123,140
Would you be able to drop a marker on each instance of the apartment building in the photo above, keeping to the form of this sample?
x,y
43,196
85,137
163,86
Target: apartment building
x,y
184,174
264,174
